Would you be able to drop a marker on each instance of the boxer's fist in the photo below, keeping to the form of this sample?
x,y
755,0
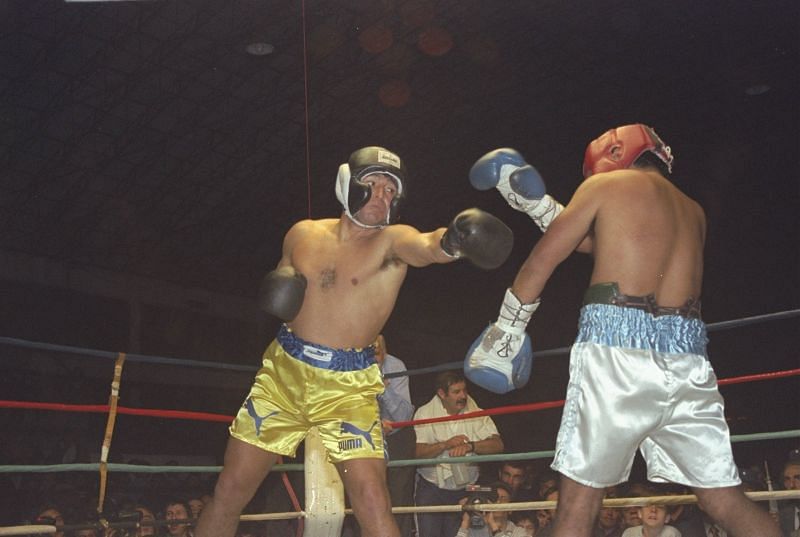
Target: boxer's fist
x,y
500,360
518,182
487,172
281,293
480,237
505,169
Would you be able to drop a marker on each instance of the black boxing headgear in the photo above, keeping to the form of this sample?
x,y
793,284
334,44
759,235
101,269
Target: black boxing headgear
x,y
353,193
619,148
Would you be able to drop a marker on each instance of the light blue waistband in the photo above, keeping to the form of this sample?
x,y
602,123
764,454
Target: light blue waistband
x,y
324,357
632,328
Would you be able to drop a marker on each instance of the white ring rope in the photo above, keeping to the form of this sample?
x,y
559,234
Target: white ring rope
x,y
686,499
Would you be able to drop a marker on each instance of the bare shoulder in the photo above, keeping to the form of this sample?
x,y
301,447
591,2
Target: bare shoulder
x,y
632,183
308,225
305,231
400,230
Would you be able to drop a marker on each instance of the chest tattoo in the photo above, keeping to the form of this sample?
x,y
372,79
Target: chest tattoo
x,y
327,278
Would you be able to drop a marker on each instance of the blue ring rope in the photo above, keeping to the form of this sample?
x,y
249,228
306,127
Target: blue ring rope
x,y
144,358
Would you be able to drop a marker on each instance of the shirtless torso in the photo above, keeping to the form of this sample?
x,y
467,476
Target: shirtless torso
x,y
644,234
354,276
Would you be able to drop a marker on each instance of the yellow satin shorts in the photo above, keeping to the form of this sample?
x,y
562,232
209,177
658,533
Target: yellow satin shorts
x,y
301,385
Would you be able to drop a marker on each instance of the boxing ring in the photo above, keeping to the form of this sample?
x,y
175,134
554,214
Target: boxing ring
x,y
324,509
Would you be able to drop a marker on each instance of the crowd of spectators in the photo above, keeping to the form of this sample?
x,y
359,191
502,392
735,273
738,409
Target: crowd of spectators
x,y
162,503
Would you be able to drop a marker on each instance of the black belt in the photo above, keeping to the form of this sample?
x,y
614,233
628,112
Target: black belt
x,y
608,293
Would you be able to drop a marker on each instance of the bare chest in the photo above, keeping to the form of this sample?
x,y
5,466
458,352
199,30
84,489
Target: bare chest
x,y
330,266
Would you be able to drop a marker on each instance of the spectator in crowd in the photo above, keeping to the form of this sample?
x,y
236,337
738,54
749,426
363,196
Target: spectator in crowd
x,y
50,515
609,519
546,516
516,475
445,483
630,515
654,523
545,480
527,521
178,510
687,518
146,527
395,406
494,523
196,506
789,511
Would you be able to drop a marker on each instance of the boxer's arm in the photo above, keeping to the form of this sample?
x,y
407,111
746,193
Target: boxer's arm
x,y
291,239
282,290
565,235
419,249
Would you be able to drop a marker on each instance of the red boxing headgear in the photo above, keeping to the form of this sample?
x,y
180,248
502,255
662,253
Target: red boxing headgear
x,y
619,148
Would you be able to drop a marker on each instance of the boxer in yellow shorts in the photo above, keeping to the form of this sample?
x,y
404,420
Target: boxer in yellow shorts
x,y
335,285
342,404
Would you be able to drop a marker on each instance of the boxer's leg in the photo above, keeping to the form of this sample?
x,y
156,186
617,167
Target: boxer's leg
x,y
578,507
736,513
245,467
365,483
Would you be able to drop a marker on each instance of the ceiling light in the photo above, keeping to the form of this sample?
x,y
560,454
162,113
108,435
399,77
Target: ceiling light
x,y
757,89
259,49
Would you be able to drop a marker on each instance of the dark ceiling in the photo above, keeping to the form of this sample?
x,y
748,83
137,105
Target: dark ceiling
x,y
142,138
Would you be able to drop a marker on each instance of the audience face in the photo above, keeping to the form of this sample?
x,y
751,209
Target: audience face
x,y
176,511
49,516
455,400
545,485
527,524
196,505
512,476
630,517
147,516
501,517
791,476
608,518
85,533
653,516
546,516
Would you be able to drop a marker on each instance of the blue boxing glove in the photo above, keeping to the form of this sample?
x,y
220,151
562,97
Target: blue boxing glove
x,y
500,359
518,182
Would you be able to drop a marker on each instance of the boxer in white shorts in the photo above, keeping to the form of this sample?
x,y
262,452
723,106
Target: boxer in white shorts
x,y
642,380
639,377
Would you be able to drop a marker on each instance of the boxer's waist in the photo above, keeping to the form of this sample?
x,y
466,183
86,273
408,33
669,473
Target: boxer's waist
x,y
608,293
324,357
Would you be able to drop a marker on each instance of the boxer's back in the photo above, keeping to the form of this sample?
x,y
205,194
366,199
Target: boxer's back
x,y
648,237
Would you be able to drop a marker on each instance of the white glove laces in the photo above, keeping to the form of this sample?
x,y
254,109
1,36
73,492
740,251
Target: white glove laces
x,y
514,315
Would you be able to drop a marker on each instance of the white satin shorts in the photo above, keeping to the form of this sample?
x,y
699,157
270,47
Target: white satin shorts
x,y
639,381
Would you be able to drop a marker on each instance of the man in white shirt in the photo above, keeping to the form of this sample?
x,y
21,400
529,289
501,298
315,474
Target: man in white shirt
x,y
444,484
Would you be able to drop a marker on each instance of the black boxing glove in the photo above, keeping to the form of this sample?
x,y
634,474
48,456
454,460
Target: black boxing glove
x,y
281,293
480,237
